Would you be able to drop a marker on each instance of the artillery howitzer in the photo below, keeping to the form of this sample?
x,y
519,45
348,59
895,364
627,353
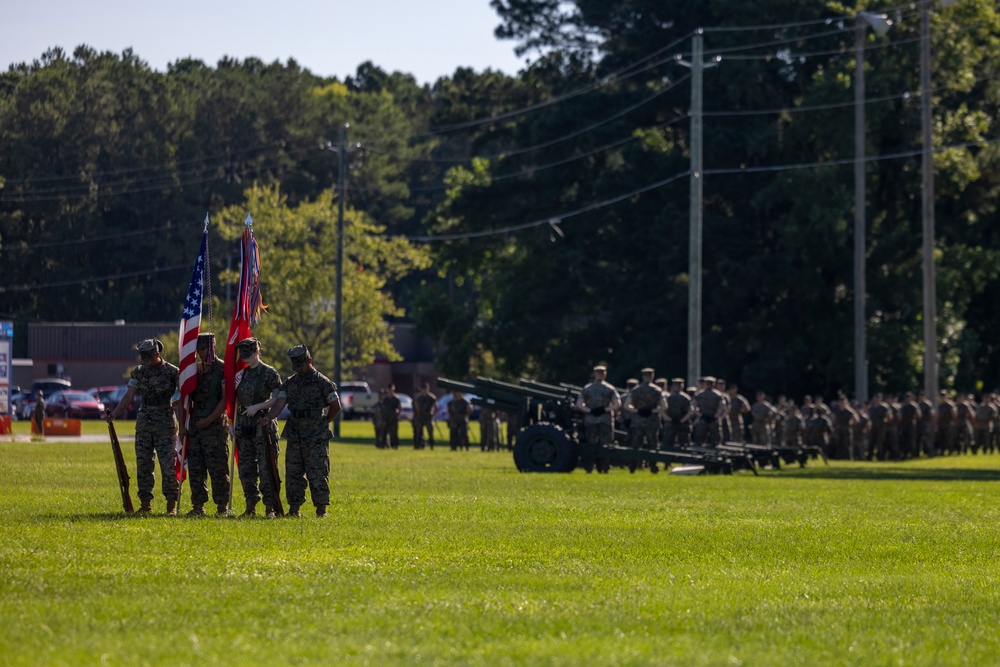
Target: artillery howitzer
x,y
551,436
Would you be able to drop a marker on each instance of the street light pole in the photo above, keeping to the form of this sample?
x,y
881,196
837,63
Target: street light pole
x,y
338,351
927,204
697,66
880,24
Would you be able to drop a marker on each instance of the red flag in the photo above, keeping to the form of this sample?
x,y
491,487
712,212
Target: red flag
x,y
246,312
187,341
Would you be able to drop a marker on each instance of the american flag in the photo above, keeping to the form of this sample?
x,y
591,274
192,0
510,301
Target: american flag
x,y
187,341
246,311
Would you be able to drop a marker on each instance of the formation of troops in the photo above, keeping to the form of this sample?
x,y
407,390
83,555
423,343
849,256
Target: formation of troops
x,y
386,417
655,413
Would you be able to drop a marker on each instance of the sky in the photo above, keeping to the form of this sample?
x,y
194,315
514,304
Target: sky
x,y
425,38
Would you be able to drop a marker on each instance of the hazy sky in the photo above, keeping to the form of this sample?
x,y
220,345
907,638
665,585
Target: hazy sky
x,y
426,38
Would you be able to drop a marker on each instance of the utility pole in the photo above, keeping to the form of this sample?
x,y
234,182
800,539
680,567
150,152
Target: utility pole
x,y
880,24
338,351
697,66
927,167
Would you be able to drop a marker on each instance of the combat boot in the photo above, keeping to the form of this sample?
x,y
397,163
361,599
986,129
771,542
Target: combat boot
x,y
223,510
198,509
269,512
146,507
321,511
293,510
251,510
171,508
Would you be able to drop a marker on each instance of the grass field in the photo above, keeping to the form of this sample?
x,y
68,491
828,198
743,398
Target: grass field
x,y
456,558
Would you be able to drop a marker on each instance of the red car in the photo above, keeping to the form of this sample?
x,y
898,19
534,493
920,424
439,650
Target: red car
x,y
73,404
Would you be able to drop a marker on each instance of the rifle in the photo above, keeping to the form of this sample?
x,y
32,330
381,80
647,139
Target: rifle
x,y
272,464
116,449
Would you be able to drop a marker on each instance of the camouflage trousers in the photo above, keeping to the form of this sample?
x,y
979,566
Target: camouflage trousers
x,y
760,433
458,434
645,432
156,438
391,426
208,455
676,433
706,432
253,466
981,438
908,440
308,463
842,443
925,439
419,425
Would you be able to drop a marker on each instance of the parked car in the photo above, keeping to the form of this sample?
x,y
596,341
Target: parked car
x,y
113,398
406,403
105,394
16,399
441,414
73,404
356,399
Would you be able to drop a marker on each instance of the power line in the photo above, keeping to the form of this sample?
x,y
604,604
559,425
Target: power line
x,y
108,237
97,279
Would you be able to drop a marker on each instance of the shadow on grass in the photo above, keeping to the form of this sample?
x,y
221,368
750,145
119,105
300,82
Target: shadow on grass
x,y
896,472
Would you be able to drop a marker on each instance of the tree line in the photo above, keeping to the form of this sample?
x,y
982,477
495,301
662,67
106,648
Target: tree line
x,y
492,209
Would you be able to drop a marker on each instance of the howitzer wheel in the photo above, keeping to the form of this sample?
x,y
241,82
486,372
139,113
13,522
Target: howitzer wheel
x,y
544,448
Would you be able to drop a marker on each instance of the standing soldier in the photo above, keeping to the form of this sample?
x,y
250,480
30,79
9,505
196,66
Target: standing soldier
x,y
391,407
909,412
459,410
625,416
708,402
155,428
208,451
945,424
38,413
313,403
424,406
645,404
487,430
599,401
842,440
985,415
879,415
677,425
723,414
256,392
925,426
738,406
378,421
817,431
862,429
793,426
964,409
763,413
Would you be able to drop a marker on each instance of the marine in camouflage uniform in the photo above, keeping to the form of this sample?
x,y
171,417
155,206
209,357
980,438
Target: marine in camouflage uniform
x,y
645,404
817,431
925,426
256,393
489,430
598,401
313,403
793,426
945,443
155,425
909,412
677,425
378,421
459,410
709,404
879,415
424,406
38,414
208,451
391,407
964,410
738,406
842,439
625,417
982,426
862,429
763,414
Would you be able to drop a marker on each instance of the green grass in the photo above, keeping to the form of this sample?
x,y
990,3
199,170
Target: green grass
x,y
456,558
